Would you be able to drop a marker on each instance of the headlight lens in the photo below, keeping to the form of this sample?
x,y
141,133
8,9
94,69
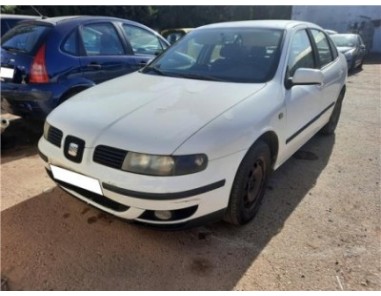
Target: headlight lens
x,y
161,165
46,129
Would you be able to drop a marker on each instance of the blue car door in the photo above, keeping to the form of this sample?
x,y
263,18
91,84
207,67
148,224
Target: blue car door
x,y
144,44
104,54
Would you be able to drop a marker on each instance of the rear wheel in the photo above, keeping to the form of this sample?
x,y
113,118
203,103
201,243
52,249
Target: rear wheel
x,y
362,62
331,125
249,185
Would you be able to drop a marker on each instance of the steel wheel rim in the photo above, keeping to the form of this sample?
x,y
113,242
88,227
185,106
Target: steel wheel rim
x,y
254,184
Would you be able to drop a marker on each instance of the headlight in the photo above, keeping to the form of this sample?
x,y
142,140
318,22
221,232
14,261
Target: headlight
x,y
161,165
46,129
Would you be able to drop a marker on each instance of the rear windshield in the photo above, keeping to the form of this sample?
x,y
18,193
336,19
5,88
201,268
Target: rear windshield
x,y
344,40
23,38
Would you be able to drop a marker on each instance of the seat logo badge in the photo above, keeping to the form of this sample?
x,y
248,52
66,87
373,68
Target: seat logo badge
x,y
73,149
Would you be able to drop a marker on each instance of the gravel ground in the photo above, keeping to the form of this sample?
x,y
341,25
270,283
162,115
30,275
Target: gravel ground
x,y
318,229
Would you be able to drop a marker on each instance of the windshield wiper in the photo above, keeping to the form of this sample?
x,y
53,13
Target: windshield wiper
x,y
153,69
199,76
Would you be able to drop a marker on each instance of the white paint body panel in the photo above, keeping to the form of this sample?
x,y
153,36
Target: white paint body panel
x,y
163,115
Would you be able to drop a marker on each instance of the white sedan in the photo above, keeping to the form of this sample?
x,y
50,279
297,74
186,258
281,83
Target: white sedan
x,y
194,136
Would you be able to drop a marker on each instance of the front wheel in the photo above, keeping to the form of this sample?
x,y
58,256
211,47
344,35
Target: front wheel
x,y
249,185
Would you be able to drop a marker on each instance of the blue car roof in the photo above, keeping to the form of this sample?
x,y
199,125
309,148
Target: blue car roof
x,y
75,19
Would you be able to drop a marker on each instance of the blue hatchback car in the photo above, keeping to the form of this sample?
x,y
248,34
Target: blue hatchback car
x,y
46,61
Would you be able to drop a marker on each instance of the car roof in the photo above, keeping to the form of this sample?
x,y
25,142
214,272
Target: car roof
x,y
273,24
79,18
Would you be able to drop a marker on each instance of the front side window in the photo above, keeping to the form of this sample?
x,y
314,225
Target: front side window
x,y
301,54
101,39
142,41
222,54
323,48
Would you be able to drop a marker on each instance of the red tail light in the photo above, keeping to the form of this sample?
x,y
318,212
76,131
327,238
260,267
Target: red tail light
x,y
38,72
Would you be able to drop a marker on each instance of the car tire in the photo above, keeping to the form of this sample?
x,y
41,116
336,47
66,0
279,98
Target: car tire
x,y
360,66
331,125
249,185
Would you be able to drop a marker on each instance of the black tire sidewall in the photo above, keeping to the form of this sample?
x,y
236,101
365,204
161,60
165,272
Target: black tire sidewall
x,y
237,213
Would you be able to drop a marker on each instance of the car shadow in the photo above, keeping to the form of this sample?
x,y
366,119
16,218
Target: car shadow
x,y
56,242
20,139
354,72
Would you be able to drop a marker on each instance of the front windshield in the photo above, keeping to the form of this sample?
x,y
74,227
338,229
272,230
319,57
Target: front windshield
x,y
222,54
344,40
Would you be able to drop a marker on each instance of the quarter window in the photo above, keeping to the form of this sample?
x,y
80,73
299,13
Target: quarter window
x,y
323,48
71,45
301,55
142,41
101,39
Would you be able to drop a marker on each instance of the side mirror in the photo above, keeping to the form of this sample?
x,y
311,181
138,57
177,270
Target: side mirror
x,y
362,46
305,76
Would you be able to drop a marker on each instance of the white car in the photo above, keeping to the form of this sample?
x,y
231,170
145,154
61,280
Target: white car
x,y
194,136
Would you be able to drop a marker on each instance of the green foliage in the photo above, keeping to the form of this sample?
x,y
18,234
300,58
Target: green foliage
x,y
8,9
161,17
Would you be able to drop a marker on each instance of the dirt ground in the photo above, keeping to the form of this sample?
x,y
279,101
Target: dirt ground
x,y
318,228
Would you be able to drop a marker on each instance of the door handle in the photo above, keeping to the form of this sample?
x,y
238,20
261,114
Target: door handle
x,y
142,63
95,66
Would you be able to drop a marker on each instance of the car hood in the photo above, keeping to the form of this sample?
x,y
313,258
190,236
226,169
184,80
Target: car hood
x,y
147,113
344,49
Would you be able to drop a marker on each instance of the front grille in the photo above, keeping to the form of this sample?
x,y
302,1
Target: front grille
x,y
55,136
109,156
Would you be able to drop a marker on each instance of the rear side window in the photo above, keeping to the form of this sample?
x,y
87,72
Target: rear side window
x,y
323,48
23,38
333,48
101,39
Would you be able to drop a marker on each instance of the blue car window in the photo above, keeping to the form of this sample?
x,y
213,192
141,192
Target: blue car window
x,y
23,38
101,39
71,44
142,41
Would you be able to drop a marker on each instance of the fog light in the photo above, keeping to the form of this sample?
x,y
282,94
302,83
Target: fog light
x,y
163,215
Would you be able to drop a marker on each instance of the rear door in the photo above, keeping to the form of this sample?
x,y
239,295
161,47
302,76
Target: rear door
x,y
103,54
329,65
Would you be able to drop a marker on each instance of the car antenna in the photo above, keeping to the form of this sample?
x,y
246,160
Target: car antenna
x,y
39,13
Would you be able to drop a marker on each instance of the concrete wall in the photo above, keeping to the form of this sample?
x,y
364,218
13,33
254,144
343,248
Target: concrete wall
x,y
364,20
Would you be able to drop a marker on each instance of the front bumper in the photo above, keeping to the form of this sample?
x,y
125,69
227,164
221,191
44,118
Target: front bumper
x,y
190,199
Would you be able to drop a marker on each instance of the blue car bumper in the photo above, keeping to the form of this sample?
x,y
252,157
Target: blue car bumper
x,y
30,100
